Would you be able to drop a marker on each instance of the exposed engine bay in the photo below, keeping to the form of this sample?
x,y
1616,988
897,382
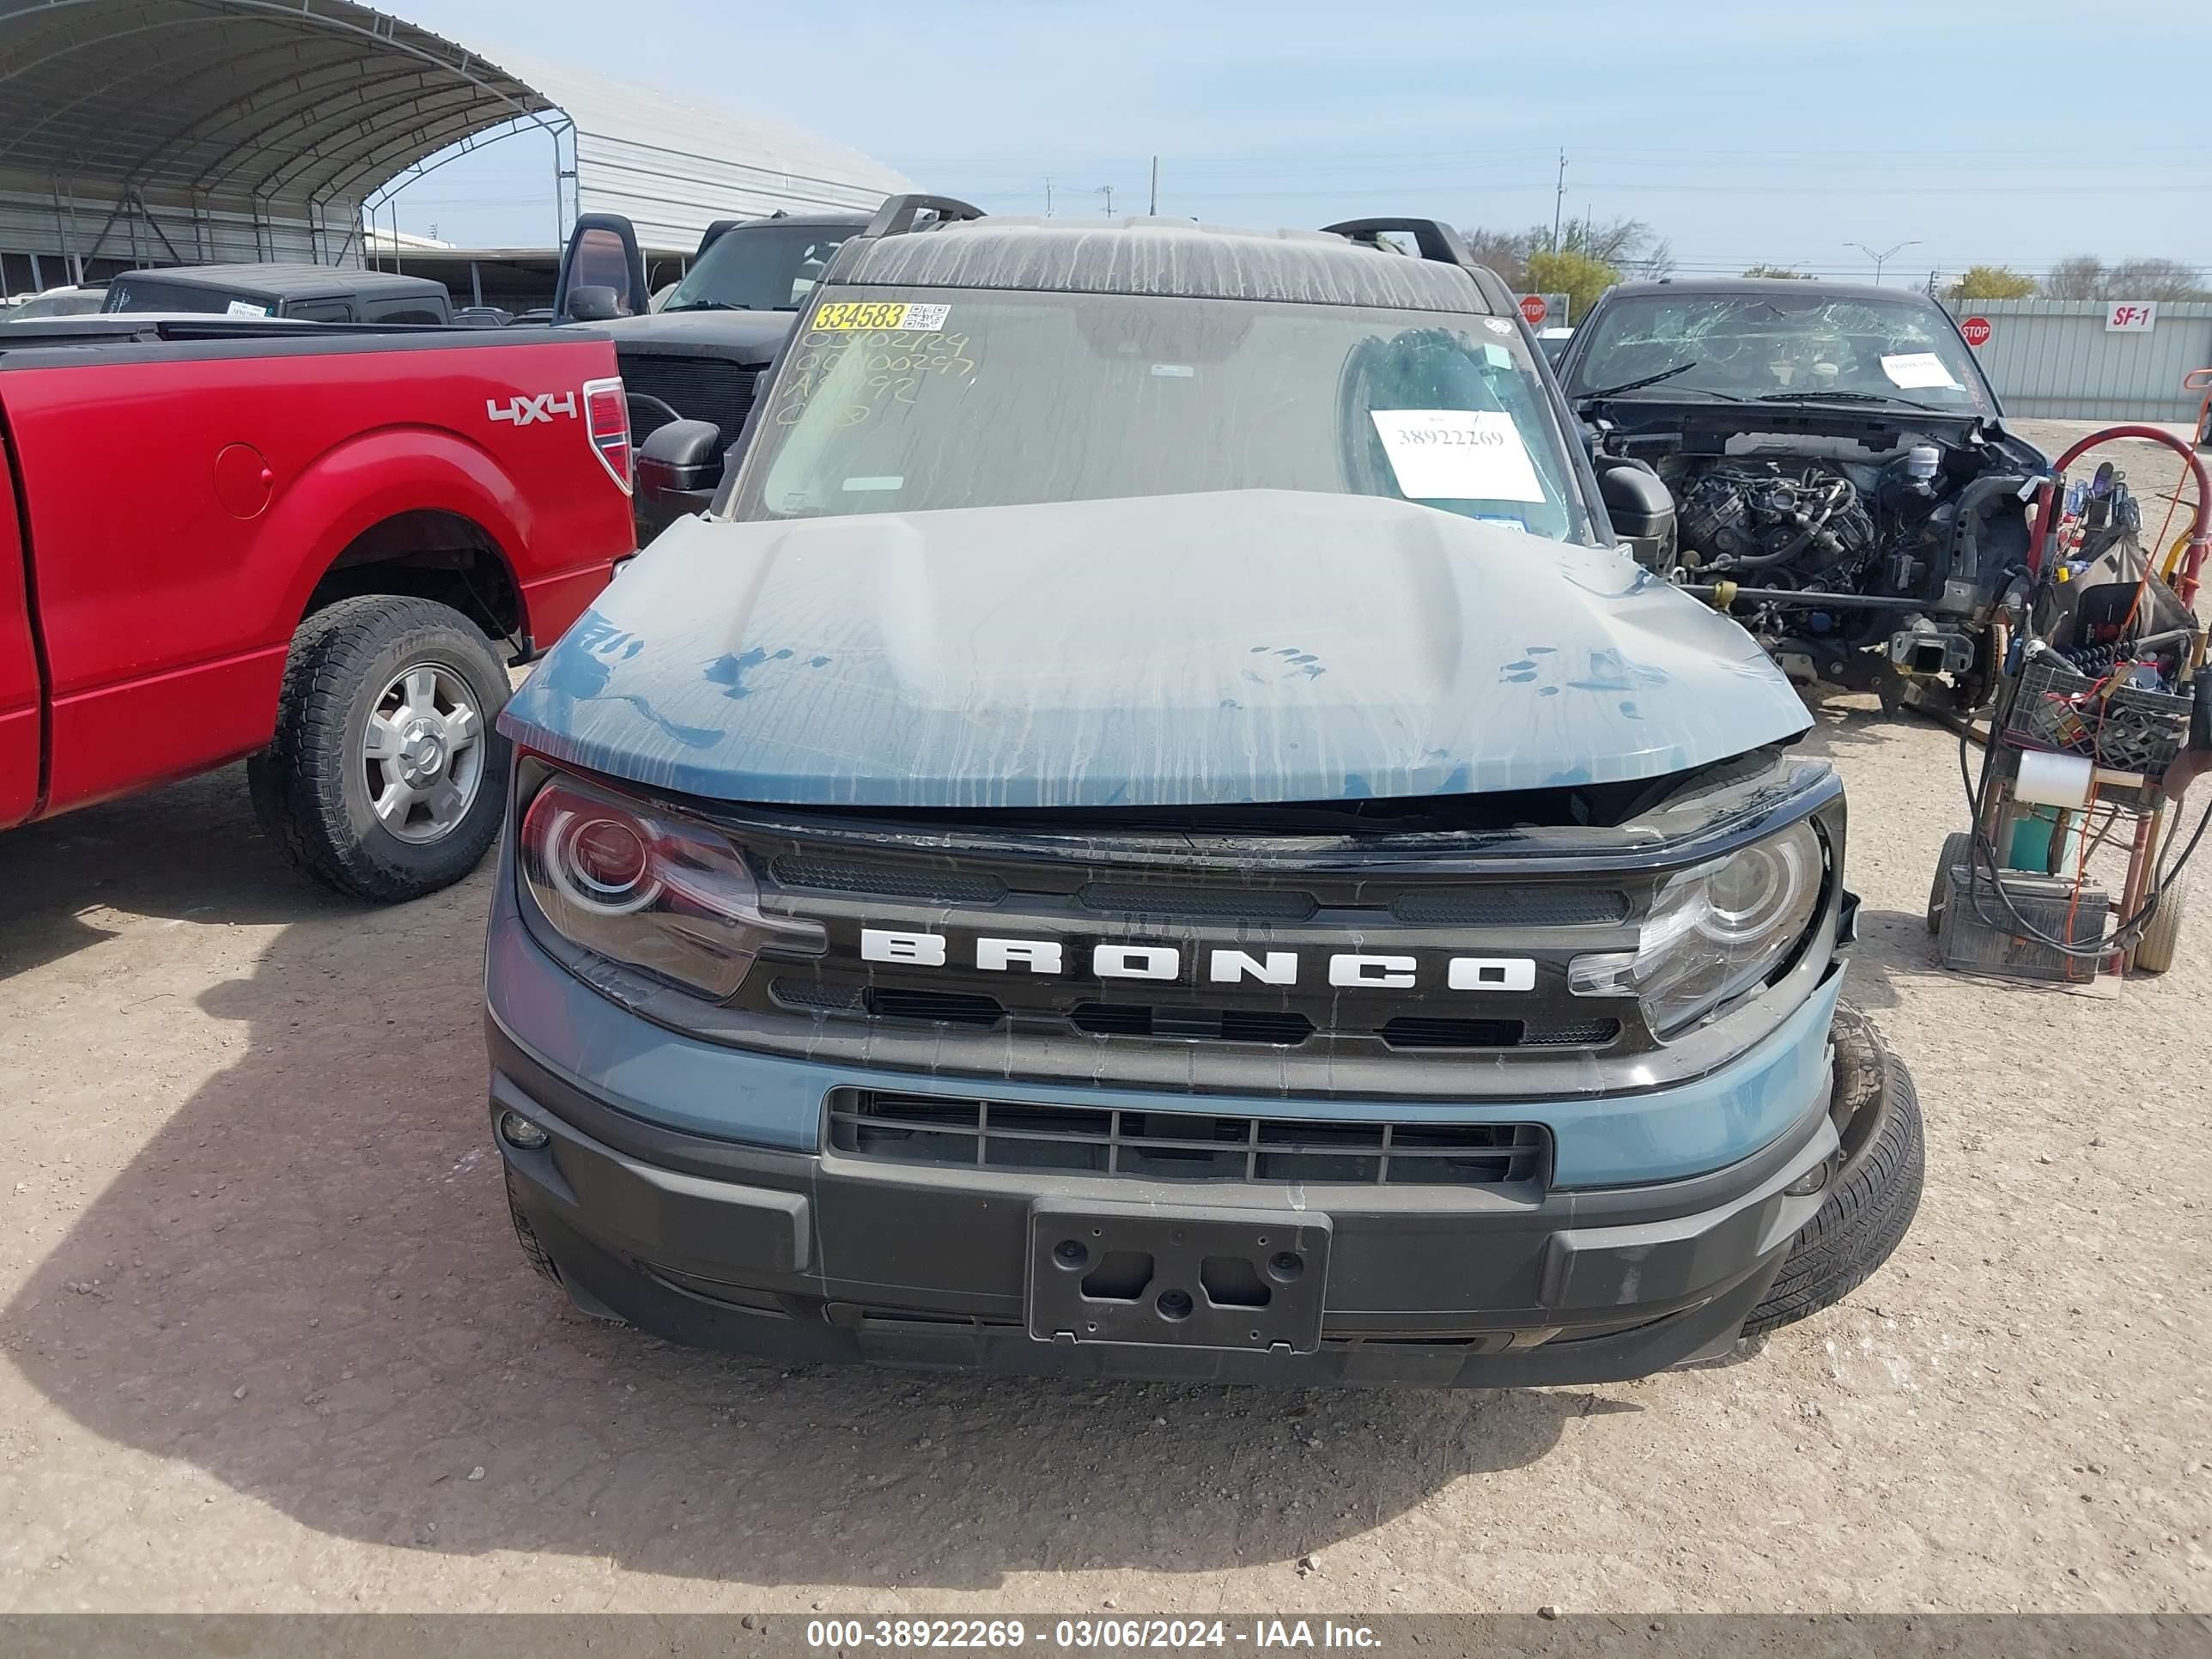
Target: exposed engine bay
x,y
1862,554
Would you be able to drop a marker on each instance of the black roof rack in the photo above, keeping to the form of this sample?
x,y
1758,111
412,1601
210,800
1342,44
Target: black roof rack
x,y
1433,240
896,215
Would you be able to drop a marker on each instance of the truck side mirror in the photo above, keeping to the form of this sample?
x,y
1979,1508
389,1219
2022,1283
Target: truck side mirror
x,y
1639,505
679,467
594,303
602,253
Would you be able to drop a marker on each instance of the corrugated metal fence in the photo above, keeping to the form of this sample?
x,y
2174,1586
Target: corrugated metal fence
x,y
2056,359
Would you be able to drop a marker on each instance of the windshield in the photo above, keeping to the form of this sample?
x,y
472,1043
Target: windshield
x,y
1780,347
981,399
768,267
74,303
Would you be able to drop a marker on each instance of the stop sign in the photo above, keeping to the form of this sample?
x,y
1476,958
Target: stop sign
x,y
1533,306
1977,331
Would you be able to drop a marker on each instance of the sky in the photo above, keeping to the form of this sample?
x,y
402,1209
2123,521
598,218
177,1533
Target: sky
x,y
1782,132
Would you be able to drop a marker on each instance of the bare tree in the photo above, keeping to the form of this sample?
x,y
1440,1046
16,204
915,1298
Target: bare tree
x,y
1610,242
2085,276
1503,251
2074,279
1627,245
2152,279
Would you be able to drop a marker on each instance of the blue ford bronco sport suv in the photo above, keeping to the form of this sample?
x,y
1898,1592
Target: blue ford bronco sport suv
x,y
1155,830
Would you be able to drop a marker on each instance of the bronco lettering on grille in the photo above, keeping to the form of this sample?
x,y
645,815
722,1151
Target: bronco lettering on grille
x,y
1345,969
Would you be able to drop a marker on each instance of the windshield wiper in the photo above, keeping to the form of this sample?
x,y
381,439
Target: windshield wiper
x,y
1845,397
1638,386
706,305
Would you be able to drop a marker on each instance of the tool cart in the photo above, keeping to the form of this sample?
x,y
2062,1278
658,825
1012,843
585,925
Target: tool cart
x,y
2102,717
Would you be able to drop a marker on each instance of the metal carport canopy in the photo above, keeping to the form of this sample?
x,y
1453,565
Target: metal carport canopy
x,y
234,102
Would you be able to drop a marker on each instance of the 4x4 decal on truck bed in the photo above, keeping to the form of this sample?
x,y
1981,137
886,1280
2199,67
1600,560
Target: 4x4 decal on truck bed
x,y
525,411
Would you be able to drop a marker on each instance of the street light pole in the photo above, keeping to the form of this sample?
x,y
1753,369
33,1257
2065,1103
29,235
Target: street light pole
x,y
1881,259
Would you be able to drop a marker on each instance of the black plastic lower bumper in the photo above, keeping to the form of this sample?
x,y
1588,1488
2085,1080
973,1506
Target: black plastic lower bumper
x,y
806,1258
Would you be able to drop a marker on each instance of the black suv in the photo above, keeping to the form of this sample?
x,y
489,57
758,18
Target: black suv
x,y
294,292
697,355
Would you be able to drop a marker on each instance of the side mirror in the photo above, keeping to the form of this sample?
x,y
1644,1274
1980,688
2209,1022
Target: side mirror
x,y
682,446
1640,507
679,467
602,253
594,303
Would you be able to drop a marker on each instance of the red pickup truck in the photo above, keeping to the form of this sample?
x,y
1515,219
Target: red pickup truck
x,y
319,549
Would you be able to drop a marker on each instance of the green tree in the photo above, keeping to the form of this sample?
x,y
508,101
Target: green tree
x,y
1780,270
1577,276
1992,282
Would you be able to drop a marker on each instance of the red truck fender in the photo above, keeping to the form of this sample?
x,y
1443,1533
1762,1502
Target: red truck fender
x,y
348,491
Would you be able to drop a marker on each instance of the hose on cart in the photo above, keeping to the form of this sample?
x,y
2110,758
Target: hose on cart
x,y
2185,564
2123,935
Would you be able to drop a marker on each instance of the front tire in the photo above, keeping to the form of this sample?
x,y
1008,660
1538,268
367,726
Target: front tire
x,y
386,779
1876,1189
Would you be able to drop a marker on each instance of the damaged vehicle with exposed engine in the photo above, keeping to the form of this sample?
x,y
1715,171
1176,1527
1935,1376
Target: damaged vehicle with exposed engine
x,y
1155,830
1844,481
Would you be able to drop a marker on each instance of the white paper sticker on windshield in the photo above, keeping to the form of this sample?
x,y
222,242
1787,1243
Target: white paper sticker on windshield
x,y
1457,455
1914,369
244,308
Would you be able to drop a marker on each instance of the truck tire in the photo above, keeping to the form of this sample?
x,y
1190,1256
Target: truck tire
x,y
1874,1191
387,777
1957,849
2155,953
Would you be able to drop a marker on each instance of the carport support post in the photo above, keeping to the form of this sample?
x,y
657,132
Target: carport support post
x,y
476,284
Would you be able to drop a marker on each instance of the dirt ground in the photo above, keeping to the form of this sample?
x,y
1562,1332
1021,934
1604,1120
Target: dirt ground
x,y
269,1345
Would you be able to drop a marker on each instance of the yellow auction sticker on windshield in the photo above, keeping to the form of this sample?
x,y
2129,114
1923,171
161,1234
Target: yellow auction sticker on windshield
x,y
861,316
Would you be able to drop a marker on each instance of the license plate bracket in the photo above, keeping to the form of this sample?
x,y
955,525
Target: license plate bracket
x,y
1249,1280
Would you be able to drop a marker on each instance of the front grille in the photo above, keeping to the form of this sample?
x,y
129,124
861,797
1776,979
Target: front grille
x,y
891,880
938,1008
1591,1034
1422,1032
1172,1022
1197,903
696,388
1512,907
954,1132
1217,1025
817,998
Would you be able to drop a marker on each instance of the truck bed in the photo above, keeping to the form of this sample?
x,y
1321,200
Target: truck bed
x,y
182,490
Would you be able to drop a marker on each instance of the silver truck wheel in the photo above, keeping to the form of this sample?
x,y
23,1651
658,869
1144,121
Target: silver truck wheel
x,y
387,777
423,751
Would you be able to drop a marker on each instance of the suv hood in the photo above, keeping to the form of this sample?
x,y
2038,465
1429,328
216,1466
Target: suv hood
x,y
1261,646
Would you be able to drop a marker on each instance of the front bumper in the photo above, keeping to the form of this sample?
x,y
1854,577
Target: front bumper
x,y
805,1255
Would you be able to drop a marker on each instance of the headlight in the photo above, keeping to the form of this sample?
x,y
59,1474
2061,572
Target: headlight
x,y
648,889
1715,932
